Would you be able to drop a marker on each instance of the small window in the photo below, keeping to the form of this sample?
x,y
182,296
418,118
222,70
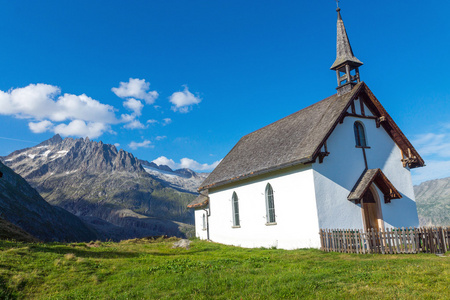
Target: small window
x,y
270,205
204,222
360,136
235,207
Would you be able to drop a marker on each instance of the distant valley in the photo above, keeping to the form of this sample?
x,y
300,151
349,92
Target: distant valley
x,y
112,191
94,191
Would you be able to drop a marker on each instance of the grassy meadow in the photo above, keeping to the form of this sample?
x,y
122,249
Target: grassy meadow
x,y
146,269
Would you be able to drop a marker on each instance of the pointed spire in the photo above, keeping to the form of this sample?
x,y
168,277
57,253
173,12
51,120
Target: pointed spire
x,y
344,51
345,61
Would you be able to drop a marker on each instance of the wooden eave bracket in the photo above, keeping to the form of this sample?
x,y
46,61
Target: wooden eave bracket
x,y
322,155
379,120
390,196
356,201
411,161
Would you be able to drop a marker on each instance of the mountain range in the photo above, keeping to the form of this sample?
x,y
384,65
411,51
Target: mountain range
x,y
94,191
115,193
433,202
22,206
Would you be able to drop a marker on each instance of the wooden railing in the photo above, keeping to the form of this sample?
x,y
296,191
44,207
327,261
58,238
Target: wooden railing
x,y
390,241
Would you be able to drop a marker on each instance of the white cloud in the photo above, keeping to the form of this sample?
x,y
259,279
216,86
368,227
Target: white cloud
x,y
44,105
435,150
183,101
144,144
117,145
434,169
433,144
126,118
41,101
136,88
84,108
82,129
160,137
167,121
40,127
135,124
132,122
152,121
134,105
185,163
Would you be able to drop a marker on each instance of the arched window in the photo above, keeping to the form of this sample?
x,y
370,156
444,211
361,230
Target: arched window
x,y
270,205
204,222
235,201
360,136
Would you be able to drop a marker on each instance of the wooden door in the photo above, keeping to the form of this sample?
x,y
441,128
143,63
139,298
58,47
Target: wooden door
x,y
371,213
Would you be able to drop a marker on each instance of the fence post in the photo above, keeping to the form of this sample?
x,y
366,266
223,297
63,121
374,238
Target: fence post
x,y
374,243
363,240
443,240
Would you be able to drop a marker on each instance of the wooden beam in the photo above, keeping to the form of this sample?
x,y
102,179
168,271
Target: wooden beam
x,y
362,106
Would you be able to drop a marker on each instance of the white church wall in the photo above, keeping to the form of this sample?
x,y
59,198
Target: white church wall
x,y
295,209
386,155
335,178
339,172
200,231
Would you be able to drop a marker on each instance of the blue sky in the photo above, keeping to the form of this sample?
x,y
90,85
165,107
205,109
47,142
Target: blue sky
x,y
182,81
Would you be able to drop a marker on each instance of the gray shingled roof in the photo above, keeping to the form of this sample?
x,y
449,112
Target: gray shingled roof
x,y
292,140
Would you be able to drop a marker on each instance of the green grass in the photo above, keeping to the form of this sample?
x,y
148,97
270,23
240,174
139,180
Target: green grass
x,y
141,269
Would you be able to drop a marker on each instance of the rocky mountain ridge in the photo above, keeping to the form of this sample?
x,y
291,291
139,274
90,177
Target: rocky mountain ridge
x,y
106,187
181,179
22,206
433,202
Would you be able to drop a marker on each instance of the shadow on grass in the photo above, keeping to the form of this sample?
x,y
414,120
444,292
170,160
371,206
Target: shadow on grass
x,y
103,252
83,253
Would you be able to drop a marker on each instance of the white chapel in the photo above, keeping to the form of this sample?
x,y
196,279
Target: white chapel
x,y
341,163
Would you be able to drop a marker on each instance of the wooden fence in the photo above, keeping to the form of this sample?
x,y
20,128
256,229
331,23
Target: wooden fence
x,y
390,241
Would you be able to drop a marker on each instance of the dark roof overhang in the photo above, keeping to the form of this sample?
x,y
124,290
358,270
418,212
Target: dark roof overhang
x,y
376,176
201,201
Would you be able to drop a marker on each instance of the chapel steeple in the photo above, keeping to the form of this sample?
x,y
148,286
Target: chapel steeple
x,y
346,64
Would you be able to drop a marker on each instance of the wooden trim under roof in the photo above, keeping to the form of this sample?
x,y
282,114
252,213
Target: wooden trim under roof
x,y
411,157
376,176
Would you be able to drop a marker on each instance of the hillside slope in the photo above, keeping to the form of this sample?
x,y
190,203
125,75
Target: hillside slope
x,y
433,202
22,205
105,187
9,231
